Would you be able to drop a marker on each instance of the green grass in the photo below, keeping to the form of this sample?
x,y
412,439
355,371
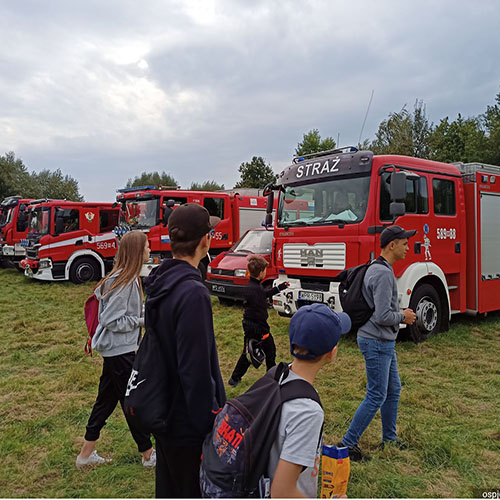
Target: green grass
x,y
449,411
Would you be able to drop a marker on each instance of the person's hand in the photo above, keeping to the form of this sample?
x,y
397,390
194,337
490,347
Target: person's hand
x,y
283,285
410,317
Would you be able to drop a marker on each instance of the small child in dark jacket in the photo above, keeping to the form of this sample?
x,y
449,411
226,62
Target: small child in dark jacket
x,y
255,318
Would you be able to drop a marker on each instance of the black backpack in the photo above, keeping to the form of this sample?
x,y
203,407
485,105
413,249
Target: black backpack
x,y
236,452
351,296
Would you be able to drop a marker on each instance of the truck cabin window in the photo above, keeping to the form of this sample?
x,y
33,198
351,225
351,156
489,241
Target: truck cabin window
x,y
417,197
339,201
215,206
108,220
141,214
443,192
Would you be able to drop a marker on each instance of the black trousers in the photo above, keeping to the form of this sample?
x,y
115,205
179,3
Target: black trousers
x,y
112,386
269,348
177,470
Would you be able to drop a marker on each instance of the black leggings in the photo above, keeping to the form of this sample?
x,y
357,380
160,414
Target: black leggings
x,y
112,386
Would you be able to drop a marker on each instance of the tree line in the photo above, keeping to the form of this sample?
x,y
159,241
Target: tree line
x,y
404,132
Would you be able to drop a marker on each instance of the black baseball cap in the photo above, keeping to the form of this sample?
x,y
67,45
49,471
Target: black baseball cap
x,y
394,233
190,222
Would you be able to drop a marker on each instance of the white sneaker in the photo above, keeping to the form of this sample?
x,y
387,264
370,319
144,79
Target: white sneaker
x,y
92,459
152,460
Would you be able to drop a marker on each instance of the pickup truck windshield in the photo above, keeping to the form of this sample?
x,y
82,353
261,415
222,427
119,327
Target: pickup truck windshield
x,y
259,242
141,214
335,202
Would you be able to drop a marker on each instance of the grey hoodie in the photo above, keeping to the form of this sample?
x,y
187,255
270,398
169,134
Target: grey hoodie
x,y
120,318
381,293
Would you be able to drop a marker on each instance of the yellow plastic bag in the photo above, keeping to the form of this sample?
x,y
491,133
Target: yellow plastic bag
x,y
335,470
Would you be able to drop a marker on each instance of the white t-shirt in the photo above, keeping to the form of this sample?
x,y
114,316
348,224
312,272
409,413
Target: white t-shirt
x,y
299,440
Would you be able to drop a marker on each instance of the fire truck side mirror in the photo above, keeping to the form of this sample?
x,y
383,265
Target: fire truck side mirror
x,y
396,209
398,186
22,221
270,204
269,220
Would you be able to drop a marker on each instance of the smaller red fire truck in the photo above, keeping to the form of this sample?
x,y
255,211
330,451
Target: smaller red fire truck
x,y
147,208
13,228
70,240
227,274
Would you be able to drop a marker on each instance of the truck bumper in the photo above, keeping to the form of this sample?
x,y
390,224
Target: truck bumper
x,y
40,270
288,301
225,290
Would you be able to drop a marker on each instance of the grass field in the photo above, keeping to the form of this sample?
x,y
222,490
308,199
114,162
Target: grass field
x,y
449,411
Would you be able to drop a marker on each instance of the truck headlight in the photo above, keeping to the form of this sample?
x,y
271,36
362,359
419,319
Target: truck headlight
x,y
209,269
240,273
44,264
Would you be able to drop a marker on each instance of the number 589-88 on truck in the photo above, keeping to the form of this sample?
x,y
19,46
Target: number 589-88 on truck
x,y
350,196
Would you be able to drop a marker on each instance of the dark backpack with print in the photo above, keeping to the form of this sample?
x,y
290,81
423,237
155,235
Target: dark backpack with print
x,y
236,452
351,296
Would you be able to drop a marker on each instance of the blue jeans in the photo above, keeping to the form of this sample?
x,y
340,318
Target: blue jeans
x,y
382,391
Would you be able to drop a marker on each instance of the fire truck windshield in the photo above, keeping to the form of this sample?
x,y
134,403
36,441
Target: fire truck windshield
x,y
141,214
40,220
339,201
255,242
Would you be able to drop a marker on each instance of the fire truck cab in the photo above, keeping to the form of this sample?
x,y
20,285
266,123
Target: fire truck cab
x,y
351,196
70,240
13,228
147,208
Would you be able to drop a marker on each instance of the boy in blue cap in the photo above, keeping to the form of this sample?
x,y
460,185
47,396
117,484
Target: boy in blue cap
x,y
294,459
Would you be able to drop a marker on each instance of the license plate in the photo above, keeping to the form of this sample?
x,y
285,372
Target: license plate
x,y
218,288
312,296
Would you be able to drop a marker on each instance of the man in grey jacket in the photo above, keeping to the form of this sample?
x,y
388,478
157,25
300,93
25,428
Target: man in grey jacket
x,y
377,342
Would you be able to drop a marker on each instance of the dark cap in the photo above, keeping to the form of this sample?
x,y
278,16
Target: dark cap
x,y
190,222
317,328
394,233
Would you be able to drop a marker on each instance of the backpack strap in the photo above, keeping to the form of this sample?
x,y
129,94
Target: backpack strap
x,y
296,389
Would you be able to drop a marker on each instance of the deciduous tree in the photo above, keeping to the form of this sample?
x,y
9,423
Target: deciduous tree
x,y
152,179
206,186
255,174
312,143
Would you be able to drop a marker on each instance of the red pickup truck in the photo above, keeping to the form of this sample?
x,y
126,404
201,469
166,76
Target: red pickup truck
x,y
227,274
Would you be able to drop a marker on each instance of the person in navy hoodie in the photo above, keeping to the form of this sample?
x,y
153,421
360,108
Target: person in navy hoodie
x,y
178,309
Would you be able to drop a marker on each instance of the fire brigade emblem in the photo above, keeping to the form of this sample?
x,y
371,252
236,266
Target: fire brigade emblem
x,y
89,216
427,243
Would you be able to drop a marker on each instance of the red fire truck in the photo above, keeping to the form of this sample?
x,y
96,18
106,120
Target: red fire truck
x,y
453,265
147,208
13,228
70,240
227,274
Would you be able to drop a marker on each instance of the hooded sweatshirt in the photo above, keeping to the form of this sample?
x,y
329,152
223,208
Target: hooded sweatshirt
x,y
179,311
120,318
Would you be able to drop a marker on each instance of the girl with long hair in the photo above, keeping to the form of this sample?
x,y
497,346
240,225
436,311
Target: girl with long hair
x,y
116,339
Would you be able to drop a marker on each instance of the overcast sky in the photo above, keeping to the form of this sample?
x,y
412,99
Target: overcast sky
x,y
106,89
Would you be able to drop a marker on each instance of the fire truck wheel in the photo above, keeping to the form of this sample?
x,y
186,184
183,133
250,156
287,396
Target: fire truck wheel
x,y
427,306
84,269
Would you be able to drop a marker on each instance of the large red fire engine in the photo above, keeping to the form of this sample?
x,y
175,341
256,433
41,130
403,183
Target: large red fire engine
x,y
13,228
453,265
147,208
70,240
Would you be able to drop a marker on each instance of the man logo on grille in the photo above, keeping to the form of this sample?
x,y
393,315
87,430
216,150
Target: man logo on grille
x,y
311,258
